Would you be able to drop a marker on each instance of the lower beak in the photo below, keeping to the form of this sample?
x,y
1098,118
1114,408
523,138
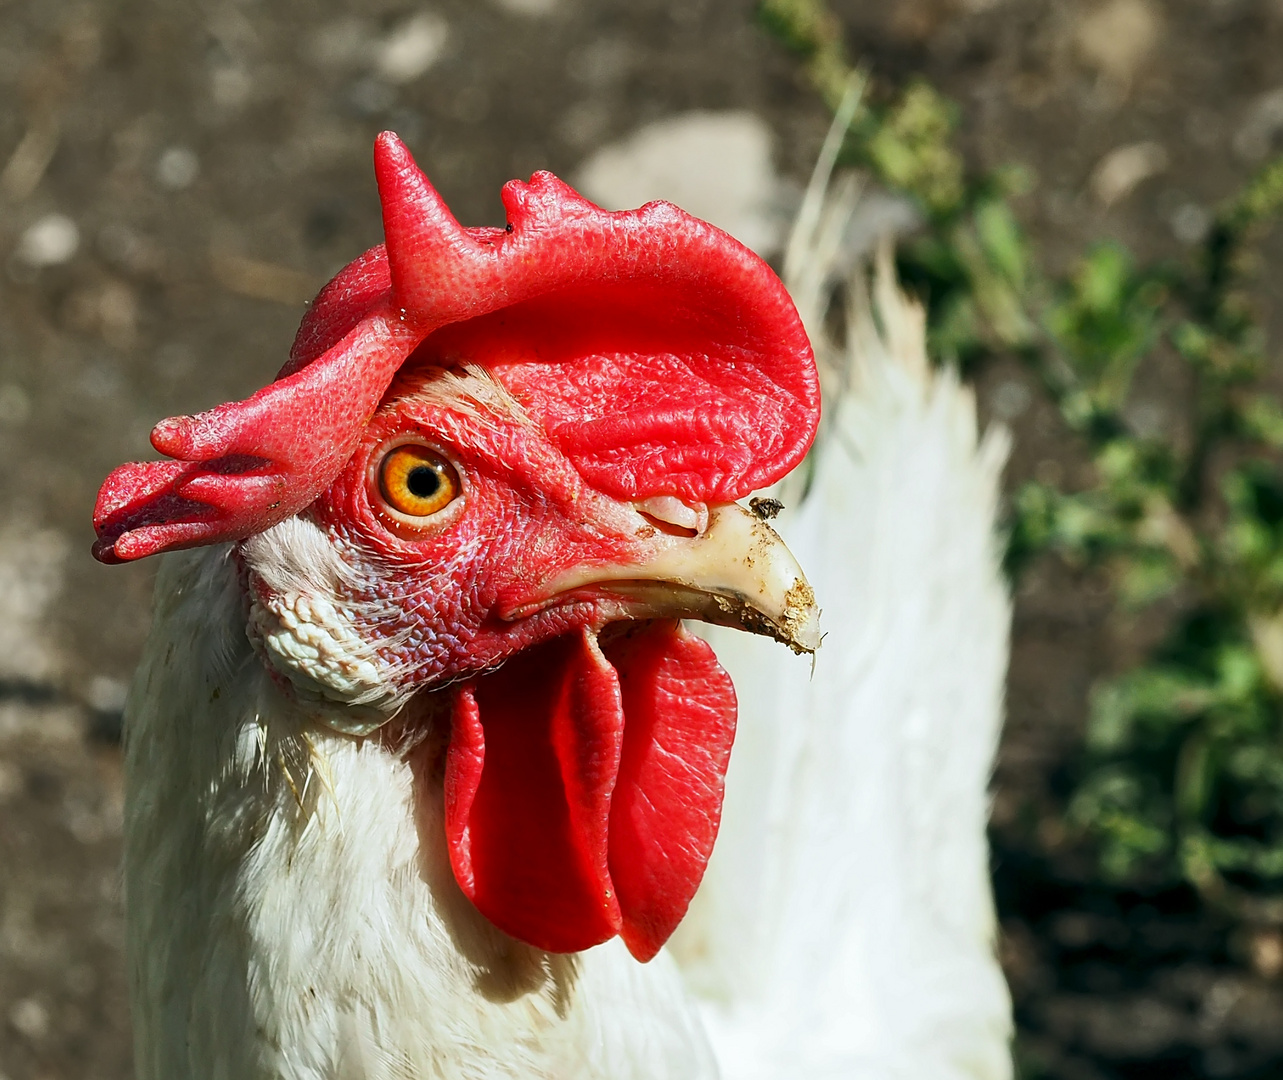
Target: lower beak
x,y
736,572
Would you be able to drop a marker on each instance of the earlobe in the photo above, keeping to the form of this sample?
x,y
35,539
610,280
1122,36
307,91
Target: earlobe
x,y
305,623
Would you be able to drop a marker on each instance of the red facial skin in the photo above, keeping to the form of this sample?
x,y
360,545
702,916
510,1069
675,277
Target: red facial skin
x,y
648,354
525,516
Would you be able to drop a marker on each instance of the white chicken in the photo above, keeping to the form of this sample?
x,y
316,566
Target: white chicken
x,y
385,818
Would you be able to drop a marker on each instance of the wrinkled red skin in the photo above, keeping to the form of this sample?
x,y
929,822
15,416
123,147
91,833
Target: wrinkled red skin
x,y
647,354
526,517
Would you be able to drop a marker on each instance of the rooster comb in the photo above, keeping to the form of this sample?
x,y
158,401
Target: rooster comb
x,y
709,387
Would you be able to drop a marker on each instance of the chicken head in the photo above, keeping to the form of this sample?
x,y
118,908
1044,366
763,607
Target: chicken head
x,y
499,468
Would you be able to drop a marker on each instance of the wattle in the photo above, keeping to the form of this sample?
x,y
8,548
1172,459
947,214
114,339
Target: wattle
x,y
584,783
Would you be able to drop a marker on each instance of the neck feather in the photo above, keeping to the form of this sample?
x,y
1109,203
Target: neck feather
x,y
292,912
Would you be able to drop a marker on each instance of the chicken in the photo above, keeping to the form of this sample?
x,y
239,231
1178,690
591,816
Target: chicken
x,y
420,759
421,764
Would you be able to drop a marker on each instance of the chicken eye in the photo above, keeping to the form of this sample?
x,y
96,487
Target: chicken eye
x,y
417,481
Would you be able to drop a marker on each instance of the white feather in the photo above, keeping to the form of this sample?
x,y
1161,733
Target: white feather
x,y
291,912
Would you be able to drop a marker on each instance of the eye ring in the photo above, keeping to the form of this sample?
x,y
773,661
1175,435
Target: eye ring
x,y
415,483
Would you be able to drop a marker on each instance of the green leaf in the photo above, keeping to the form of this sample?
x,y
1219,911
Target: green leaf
x,y
1002,240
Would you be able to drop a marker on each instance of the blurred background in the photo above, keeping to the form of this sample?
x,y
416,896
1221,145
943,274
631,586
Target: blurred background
x,y
1082,191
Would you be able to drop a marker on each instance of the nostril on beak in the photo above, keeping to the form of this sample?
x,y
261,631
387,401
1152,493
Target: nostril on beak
x,y
670,515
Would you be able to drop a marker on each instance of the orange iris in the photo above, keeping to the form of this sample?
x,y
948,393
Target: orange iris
x,y
417,481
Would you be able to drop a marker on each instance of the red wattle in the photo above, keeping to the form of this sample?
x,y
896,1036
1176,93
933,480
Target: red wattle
x,y
534,750
681,710
583,787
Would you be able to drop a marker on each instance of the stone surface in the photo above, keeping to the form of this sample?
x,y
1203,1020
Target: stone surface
x,y
716,165
51,241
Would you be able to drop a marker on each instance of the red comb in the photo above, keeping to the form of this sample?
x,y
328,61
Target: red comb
x,y
658,301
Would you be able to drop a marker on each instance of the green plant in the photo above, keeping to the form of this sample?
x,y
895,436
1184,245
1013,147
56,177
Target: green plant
x,y
1181,776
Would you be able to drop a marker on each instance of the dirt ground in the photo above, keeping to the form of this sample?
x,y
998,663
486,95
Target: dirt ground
x,y
212,160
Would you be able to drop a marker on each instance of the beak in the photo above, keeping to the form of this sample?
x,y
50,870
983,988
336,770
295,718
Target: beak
x,y
736,572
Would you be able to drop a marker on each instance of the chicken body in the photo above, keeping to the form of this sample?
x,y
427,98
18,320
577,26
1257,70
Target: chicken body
x,y
292,911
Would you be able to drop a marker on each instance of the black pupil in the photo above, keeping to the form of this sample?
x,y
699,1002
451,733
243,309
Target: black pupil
x,y
423,481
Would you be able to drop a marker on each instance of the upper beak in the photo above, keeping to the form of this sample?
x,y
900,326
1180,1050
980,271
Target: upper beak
x,y
736,572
